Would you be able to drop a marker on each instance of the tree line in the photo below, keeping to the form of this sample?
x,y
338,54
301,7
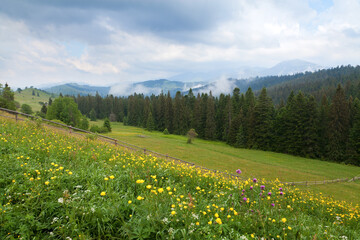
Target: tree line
x,y
328,129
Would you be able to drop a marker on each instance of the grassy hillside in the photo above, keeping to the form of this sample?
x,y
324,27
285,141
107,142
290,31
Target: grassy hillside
x,y
253,163
74,89
56,186
25,96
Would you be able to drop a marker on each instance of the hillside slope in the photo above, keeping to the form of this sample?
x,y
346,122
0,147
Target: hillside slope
x,y
92,190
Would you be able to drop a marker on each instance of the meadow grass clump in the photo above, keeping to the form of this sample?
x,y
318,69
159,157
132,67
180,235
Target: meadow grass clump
x,y
54,186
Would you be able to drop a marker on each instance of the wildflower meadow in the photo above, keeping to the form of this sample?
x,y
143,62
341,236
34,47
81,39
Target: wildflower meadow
x,y
59,186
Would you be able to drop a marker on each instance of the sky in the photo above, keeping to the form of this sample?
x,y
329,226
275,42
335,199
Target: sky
x,y
109,42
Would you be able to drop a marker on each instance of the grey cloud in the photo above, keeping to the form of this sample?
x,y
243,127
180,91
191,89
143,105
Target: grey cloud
x,y
171,19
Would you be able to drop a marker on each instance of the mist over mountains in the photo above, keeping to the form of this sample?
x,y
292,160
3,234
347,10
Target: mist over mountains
x,y
215,81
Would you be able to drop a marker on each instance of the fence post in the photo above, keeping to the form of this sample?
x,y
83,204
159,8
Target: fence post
x,y
145,151
115,142
69,129
16,118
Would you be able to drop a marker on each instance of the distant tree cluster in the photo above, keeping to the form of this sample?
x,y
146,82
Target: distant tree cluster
x,y
328,130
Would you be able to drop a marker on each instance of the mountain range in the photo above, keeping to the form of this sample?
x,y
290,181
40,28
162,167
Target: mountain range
x,y
214,81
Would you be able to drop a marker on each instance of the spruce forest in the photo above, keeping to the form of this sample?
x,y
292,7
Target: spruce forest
x,y
321,119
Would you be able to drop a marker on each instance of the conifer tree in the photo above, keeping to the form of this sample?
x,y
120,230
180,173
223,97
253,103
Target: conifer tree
x,y
210,129
168,115
241,137
92,115
43,109
338,126
322,127
179,123
161,112
227,119
150,125
107,124
354,138
234,129
264,113
249,115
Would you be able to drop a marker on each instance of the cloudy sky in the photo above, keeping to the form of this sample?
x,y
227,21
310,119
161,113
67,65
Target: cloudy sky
x,y
108,42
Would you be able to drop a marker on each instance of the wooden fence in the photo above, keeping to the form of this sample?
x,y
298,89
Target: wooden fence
x,y
116,142
131,147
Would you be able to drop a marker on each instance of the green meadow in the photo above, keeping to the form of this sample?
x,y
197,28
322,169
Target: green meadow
x,y
54,185
253,163
26,97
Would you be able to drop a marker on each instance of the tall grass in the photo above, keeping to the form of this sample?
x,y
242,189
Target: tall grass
x,y
54,186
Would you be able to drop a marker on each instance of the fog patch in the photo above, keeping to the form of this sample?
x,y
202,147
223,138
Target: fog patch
x,y
221,85
126,89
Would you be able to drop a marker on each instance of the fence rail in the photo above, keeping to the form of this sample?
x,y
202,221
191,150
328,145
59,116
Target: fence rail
x,y
116,142
135,148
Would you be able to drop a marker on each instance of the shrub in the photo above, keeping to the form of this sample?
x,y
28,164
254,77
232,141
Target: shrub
x,y
25,108
191,135
166,132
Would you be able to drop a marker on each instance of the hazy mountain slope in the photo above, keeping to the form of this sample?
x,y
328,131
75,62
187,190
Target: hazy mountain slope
x,y
75,89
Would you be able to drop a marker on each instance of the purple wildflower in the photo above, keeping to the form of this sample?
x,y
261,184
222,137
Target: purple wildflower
x,y
280,189
273,204
245,199
251,188
281,193
269,193
262,187
254,180
238,171
243,190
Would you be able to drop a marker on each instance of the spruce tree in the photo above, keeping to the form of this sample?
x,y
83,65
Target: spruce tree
x,y
322,128
210,129
168,115
92,115
338,126
354,137
43,109
234,128
227,119
249,115
107,124
264,113
150,125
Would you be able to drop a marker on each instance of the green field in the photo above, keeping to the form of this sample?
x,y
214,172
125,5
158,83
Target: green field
x,y
56,185
26,97
253,163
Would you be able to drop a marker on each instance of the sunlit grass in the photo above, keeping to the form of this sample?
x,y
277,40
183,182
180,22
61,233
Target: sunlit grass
x,y
53,185
26,97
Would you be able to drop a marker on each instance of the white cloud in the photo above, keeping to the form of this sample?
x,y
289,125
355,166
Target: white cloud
x,y
256,33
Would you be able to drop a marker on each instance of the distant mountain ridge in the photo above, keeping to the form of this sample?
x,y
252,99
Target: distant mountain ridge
x,y
244,78
74,89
